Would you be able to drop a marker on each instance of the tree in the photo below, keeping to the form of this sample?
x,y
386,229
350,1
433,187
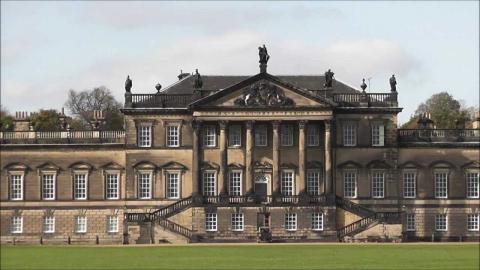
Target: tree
x,y
82,104
445,111
46,120
6,120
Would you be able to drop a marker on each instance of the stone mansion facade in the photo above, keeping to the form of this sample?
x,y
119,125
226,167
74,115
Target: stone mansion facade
x,y
243,158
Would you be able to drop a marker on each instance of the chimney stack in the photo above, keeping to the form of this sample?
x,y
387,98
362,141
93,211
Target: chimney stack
x,y
21,122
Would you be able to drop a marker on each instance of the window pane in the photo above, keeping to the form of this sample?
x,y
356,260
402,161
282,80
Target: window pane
x,y
235,188
409,183
286,135
473,185
261,135
49,224
287,187
17,224
313,183
81,224
378,136
48,186
473,222
350,184
290,221
112,186
441,222
209,183
209,136
112,224
144,136
237,222
16,187
317,221
410,222
234,135
173,136
313,135
441,184
210,221
80,186
349,135
144,185
378,183
173,185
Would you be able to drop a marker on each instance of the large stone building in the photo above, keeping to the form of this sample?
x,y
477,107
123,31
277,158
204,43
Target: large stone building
x,y
238,158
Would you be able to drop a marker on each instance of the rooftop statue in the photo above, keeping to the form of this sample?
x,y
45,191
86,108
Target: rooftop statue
x,y
263,54
329,78
393,84
128,84
197,83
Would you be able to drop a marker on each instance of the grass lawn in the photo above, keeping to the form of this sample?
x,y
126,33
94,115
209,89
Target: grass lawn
x,y
248,257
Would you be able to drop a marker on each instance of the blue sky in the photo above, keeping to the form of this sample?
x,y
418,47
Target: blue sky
x,y
48,48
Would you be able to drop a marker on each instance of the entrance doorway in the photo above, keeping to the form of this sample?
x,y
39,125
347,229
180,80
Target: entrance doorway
x,y
261,186
263,220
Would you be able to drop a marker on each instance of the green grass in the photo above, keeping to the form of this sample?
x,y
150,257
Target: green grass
x,y
396,256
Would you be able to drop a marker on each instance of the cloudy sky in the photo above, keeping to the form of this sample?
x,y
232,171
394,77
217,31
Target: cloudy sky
x,y
48,48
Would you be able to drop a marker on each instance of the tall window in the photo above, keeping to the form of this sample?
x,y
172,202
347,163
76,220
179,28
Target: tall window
x,y
350,184
317,221
441,184
313,182
235,183
235,135
80,224
378,184
49,224
209,183
441,222
48,186
261,135
287,182
211,222
237,222
313,135
473,222
112,224
209,136
111,191
291,221
144,136
473,185
410,222
378,134
173,136
173,185
145,185
409,184
80,186
16,187
286,135
349,134
17,224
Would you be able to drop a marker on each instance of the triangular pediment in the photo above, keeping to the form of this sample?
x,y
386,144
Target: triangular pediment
x,y
263,91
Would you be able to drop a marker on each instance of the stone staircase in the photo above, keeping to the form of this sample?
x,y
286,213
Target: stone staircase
x,y
369,218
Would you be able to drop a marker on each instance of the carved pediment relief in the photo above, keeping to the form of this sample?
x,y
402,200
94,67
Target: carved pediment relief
x,y
263,94
112,166
262,165
145,165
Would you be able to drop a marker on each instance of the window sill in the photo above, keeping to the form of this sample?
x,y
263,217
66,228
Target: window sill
x,y
235,147
317,230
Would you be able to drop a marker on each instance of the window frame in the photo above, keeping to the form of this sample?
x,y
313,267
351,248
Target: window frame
x,y
316,135
286,135
144,140
470,189
283,187
117,189
16,224
235,135
235,190
413,185
237,222
317,221
110,228
377,191
140,191
261,135
317,190
437,190
290,221
176,138
380,136
46,224
355,184
10,186
211,222
53,188
410,222
437,219
169,187
349,131
209,131
473,222
75,174
79,229
206,192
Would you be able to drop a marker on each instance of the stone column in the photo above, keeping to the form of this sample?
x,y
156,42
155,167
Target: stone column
x,y
248,157
195,157
276,158
223,175
328,158
301,157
